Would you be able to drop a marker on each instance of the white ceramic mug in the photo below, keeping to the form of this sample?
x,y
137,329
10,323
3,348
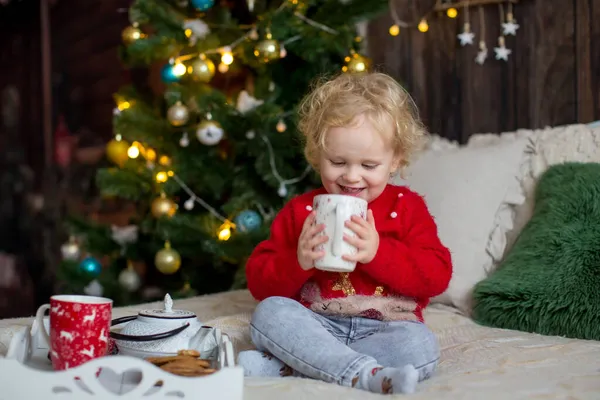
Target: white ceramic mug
x,y
334,210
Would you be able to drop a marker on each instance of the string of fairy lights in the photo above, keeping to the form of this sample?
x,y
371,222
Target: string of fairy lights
x,y
453,9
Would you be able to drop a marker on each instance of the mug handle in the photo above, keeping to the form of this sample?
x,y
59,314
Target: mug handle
x,y
39,318
342,211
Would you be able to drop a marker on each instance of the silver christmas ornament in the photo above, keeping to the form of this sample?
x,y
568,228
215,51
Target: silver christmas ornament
x,y
129,279
209,132
70,251
184,141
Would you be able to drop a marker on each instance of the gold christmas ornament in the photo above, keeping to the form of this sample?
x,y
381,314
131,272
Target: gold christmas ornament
x,y
178,114
356,63
202,69
267,49
116,151
163,206
131,34
167,260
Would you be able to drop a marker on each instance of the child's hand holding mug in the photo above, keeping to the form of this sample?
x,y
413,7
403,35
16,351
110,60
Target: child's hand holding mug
x,y
310,238
366,240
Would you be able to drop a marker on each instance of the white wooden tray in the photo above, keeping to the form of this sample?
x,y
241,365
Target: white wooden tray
x,y
26,373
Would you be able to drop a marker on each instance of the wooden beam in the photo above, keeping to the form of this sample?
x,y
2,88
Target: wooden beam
x,y
470,3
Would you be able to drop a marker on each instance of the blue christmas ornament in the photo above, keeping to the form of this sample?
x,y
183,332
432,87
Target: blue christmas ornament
x,y
170,74
202,5
90,266
247,221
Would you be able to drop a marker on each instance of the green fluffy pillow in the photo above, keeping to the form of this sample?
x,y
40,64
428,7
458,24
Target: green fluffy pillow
x,y
549,283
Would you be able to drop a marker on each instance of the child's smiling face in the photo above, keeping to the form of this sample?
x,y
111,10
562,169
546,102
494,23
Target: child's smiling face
x,y
357,160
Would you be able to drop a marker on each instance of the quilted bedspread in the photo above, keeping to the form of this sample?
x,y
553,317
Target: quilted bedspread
x,y
477,362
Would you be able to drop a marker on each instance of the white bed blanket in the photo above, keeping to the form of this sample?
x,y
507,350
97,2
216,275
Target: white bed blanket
x,y
477,362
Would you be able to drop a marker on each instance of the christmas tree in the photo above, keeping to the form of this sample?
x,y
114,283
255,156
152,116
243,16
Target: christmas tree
x,y
210,159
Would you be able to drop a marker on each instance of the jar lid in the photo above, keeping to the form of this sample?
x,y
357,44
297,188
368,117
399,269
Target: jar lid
x,y
167,312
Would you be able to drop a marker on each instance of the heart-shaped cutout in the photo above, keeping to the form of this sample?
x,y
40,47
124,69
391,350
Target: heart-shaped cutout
x,y
117,383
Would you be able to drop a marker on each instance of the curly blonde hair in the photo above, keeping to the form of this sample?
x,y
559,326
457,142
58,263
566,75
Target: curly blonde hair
x,y
337,102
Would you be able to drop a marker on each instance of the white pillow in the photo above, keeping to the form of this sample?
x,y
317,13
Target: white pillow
x,y
471,192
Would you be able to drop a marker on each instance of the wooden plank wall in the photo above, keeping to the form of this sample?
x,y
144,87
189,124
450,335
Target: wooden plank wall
x,y
20,60
86,35
552,76
85,66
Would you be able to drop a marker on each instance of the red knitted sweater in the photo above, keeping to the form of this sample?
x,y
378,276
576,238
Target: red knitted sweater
x,y
410,267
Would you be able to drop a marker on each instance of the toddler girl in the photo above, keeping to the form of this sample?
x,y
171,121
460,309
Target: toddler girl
x,y
362,329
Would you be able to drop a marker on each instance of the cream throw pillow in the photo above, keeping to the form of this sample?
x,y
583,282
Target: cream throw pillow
x,y
471,192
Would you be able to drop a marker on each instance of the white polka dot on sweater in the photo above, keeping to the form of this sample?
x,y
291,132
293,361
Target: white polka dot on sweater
x,y
400,194
308,208
394,214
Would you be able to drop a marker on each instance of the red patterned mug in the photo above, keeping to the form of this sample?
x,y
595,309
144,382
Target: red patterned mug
x,y
79,329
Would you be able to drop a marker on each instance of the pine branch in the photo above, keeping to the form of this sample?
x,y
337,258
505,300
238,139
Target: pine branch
x,y
125,183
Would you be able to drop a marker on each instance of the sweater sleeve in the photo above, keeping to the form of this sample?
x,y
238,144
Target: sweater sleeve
x,y
411,260
272,268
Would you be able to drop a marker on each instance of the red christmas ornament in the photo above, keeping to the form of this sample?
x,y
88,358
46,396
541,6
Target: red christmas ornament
x,y
63,144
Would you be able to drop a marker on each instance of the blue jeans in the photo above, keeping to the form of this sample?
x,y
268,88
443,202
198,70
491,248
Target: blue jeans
x,y
335,349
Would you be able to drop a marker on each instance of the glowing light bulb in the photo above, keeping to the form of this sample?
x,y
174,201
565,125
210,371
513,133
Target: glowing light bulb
x,y
226,56
150,154
281,126
179,69
223,68
164,160
452,12
394,30
423,26
161,177
224,232
133,152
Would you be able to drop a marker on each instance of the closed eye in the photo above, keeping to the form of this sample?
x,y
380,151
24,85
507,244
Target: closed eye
x,y
337,163
370,166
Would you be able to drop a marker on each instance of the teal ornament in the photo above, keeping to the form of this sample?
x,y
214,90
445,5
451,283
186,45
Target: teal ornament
x,y
247,221
202,5
168,75
90,266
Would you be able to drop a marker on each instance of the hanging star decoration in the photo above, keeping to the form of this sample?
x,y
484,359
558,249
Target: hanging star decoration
x,y
466,37
501,51
510,28
482,54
